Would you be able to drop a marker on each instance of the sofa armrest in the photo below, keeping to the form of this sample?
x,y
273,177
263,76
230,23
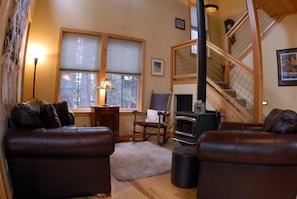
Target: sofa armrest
x,y
248,148
59,142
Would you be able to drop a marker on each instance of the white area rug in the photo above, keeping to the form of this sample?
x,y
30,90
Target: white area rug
x,y
138,160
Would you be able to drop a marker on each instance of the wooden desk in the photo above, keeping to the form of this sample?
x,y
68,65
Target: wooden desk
x,y
106,116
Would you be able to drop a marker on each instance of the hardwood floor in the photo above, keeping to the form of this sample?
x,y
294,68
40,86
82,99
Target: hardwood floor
x,y
156,187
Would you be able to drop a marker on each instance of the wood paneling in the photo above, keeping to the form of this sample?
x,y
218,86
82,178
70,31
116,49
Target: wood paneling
x,y
276,8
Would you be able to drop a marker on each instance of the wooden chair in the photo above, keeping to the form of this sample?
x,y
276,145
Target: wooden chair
x,y
156,117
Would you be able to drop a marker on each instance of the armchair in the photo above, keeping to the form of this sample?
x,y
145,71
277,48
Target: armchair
x,y
155,117
250,160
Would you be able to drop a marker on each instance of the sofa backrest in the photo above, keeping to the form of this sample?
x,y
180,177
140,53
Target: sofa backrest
x,y
37,114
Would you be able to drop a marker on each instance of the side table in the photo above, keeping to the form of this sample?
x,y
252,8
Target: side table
x,y
106,116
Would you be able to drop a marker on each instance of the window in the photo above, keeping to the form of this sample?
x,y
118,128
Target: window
x,y
79,68
126,93
123,68
78,88
80,60
194,26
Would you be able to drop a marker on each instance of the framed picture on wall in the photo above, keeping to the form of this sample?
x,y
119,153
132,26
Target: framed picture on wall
x,y
157,67
287,67
180,23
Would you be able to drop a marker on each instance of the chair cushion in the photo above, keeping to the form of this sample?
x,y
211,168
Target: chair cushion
x,y
152,116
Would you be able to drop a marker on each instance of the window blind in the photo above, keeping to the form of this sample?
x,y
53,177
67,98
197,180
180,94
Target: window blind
x,y
80,52
123,56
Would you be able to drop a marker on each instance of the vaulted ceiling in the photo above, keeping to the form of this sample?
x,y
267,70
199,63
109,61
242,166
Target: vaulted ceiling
x,y
274,8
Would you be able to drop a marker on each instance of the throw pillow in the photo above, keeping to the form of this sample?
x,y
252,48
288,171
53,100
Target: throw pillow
x,y
283,122
25,115
269,118
152,116
63,113
49,116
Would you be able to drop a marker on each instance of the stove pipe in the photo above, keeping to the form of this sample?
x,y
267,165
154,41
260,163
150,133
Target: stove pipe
x,y
201,84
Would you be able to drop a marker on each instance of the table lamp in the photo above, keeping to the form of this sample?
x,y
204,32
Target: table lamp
x,y
106,84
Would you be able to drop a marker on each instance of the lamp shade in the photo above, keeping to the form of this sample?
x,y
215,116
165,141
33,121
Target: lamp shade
x,y
106,84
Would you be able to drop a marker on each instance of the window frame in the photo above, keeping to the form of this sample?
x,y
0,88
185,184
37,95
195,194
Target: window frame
x,y
100,98
194,28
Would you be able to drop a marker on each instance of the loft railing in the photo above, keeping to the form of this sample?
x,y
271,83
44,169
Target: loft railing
x,y
242,34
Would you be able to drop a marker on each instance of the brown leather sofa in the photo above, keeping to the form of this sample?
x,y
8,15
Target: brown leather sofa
x,y
251,160
56,162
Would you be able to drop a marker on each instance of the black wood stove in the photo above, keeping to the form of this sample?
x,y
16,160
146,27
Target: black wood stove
x,y
190,125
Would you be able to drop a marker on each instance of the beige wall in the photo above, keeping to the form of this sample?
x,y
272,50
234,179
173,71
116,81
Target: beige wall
x,y
283,37
143,19
231,9
153,21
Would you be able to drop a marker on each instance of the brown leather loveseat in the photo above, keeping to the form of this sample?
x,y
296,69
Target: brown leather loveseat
x,y
48,157
247,160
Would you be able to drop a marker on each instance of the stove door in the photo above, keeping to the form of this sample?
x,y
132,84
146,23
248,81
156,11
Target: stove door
x,y
185,130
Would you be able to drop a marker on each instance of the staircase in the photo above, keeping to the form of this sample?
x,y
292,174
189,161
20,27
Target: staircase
x,y
232,93
238,86
230,82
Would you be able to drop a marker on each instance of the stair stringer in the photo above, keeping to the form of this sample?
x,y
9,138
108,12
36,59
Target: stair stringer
x,y
228,112
229,107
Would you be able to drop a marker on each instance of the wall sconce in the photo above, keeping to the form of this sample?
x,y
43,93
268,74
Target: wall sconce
x,y
106,84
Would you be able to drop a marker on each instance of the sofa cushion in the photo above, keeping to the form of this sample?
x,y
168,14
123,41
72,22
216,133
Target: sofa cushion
x,y
26,114
283,121
63,113
49,116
